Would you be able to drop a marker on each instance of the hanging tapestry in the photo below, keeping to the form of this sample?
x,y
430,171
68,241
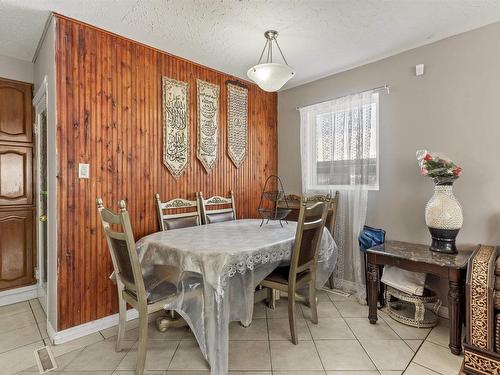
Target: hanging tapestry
x,y
208,123
237,104
175,125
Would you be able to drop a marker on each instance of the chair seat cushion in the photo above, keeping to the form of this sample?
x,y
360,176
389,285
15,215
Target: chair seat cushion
x,y
280,275
161,291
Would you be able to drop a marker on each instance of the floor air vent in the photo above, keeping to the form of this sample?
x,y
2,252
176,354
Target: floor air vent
x,y
45,360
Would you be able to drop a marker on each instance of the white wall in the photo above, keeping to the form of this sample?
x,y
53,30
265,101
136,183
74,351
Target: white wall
x,y
45,67
18,70
453,109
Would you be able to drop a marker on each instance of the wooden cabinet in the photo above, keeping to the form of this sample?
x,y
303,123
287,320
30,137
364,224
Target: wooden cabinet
x,y
15,111
16,248
16,175
17,239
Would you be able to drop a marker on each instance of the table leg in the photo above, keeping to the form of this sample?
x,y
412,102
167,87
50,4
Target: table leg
x,y
372,283
455,297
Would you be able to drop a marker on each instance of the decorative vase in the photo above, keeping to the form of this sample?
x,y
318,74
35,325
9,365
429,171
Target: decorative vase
x,y
443,216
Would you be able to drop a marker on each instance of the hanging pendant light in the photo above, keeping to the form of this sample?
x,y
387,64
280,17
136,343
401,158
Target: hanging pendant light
x,y
270,76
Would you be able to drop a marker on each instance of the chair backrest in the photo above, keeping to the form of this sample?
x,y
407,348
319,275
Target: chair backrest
x,y
122,248
331,218
294,203
310,228
178,220
219,214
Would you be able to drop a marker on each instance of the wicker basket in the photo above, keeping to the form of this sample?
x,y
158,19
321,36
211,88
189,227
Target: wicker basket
x,y
410,309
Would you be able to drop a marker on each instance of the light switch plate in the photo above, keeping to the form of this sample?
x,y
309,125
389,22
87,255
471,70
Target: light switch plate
x,y
83,170
419,70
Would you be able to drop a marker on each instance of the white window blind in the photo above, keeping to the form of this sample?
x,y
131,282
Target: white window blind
x,y
339,144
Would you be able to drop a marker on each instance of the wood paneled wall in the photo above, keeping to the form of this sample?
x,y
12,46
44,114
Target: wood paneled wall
x,y
109,114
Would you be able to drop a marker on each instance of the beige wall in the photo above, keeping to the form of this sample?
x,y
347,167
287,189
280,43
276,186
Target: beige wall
x,y
453,108
18,70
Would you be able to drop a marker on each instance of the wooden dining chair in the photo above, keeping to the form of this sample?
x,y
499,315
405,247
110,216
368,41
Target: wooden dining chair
x,y
332,202
331,218
145,293
293,202
185,219
211,215
303,262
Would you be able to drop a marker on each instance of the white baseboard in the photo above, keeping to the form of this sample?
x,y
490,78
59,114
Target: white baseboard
x,y
86,328
51,332
16,295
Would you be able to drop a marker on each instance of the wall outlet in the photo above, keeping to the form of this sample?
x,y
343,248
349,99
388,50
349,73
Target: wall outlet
x,y
83,170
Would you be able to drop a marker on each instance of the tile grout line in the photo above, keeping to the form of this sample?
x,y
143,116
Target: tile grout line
x,y
414,353
22,346
315,346
173,355
30,343
427,368
358,339
360,344
24,326
269,340
36,320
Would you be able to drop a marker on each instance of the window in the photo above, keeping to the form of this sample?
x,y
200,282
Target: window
x,y
339,143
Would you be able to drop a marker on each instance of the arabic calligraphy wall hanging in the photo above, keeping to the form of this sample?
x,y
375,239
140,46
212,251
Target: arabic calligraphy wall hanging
x,y
208,123
175,125
237,104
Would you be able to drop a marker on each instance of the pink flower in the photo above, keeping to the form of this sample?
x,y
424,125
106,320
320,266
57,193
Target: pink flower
x,y
424,171
427,157
457,171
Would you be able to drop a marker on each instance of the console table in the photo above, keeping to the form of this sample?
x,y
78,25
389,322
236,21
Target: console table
x,y
418,258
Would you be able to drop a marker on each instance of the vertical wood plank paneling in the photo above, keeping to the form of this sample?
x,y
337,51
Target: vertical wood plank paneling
x,y
109,114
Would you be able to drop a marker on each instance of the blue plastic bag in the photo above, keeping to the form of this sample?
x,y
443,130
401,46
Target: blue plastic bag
x,y
370,237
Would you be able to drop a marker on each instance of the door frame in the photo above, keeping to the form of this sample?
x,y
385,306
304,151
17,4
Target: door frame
x,y
40,104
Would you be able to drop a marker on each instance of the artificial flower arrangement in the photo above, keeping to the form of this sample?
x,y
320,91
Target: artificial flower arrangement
x,y
442,170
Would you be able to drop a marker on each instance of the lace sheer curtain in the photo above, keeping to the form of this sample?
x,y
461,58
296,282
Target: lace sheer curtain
x,y
339,151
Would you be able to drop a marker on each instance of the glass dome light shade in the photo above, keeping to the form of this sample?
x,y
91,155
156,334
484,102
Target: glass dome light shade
x,y
270,76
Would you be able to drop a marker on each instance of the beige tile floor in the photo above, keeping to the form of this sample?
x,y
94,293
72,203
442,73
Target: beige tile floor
x,y
343,343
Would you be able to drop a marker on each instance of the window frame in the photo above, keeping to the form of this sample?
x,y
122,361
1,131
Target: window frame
x,y
311,149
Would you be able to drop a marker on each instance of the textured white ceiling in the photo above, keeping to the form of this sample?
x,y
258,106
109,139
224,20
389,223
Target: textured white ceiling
x,y
318,37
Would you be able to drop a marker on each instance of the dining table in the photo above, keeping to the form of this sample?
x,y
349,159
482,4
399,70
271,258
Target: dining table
x,y
220,265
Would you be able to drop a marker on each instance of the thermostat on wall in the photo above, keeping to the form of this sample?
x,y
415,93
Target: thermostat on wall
x,y
83,170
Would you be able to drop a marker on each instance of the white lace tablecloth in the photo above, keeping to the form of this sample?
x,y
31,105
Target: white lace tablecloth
x,y
230,258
